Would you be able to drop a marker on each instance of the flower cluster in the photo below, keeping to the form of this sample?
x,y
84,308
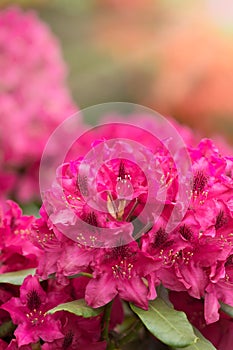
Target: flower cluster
x,y
61,331
195,257
99,238
34,99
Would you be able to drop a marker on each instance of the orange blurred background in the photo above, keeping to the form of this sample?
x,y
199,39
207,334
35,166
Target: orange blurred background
x,y
174,56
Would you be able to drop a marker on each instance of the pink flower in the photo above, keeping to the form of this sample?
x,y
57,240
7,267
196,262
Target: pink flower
x,y
173,255
3,345
212,176
99,199
29,313
219,333
109,188
59,254
77,333
120,271
14,346
34,97
17,252
6,293
196,256
49,245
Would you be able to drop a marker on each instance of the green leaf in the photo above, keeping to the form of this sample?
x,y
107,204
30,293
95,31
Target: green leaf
x,y
201,344
79,308
7,329
126,324
168,325
227,309
16,277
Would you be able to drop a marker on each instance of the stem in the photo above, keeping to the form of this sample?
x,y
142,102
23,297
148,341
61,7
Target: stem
x,y
105,322
131,334
6,329
85,274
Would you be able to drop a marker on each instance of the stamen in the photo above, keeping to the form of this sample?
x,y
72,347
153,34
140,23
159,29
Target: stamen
x,y
122,270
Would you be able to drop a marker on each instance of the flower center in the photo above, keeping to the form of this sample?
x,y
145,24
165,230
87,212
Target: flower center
x,y
160,237
229,261
221,220
122,270
121,252
33,300
91,219
186,232
124,187
171,257
68,340
199,182
35,315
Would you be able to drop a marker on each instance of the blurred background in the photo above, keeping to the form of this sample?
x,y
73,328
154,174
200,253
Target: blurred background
x,y
174,56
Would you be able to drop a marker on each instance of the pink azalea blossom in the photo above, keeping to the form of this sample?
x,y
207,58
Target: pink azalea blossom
x,y
108,189
14,346
6,293
109,192
3,345
77,333
29,313
220,333
196,257
17,252
34,97
120,271
59,254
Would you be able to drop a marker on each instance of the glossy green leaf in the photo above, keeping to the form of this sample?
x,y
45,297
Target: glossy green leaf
x,y
16,277
168,325
79,308
201,343
227,309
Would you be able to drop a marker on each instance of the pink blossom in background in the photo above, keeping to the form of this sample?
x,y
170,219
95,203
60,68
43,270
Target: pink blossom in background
x,y
34,98
17,251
